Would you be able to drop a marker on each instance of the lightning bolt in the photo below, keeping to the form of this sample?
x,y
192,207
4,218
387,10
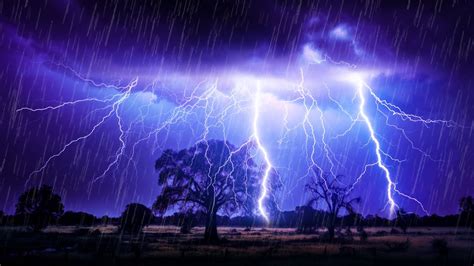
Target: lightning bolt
x,y
117,100
206,102
362,116
266,157
203,98
391,186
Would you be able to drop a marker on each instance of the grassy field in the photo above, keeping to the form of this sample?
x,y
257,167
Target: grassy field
x,y
161,245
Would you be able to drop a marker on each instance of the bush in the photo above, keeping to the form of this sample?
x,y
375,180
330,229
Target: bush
x,y
234,232
363,235
134,218
188,223
77,218
394,231
398,246
96,232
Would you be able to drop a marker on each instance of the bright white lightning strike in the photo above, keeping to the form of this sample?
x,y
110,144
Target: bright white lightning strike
x,y
113,112
391,186
380,164
207,101
268,168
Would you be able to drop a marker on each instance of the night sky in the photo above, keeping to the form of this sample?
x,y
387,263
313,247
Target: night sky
x,y
415,55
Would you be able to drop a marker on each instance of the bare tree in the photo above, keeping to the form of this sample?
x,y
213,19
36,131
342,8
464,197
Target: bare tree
x,y
327,190
211,176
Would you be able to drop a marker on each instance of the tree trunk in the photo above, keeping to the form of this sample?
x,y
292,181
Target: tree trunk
x,y
331,229
210,234
331,225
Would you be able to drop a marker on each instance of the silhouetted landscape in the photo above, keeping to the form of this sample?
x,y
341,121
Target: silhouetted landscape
x,y
297,237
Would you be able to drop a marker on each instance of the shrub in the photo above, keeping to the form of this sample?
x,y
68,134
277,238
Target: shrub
x,y
96,232
134,218
77,218
188,223
398,246
394,231
381,233
363,235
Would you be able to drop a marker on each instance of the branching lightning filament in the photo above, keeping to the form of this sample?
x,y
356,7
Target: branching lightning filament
x,y
206,99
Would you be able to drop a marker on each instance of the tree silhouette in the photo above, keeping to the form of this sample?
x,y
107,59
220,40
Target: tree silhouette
x,y
325,189
188,220
402,220
211,176
307,219
77,218
39,207
134,218
466,206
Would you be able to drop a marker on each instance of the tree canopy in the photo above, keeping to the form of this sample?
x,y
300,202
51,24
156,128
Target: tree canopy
x,y
213,176
39,206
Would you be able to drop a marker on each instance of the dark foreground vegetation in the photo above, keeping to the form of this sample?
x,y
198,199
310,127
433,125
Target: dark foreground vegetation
x,y
214,222
165,245
299,237
34,213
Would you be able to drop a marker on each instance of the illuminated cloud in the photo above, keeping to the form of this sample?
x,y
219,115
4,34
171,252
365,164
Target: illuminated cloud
x,y
341,32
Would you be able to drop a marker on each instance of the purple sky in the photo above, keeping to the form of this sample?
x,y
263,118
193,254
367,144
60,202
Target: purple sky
x,y
414,54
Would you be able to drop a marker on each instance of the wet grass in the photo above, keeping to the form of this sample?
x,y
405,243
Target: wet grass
x,y
166,246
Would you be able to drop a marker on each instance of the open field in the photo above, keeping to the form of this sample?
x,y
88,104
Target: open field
x,y
271,246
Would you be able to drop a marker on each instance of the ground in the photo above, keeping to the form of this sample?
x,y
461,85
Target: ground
x,y
264,246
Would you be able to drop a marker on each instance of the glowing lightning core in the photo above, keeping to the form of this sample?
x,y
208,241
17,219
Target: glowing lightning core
x,y
391,186
268,168
366,119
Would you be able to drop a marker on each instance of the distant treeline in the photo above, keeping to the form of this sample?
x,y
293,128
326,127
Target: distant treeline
x,y
304,218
